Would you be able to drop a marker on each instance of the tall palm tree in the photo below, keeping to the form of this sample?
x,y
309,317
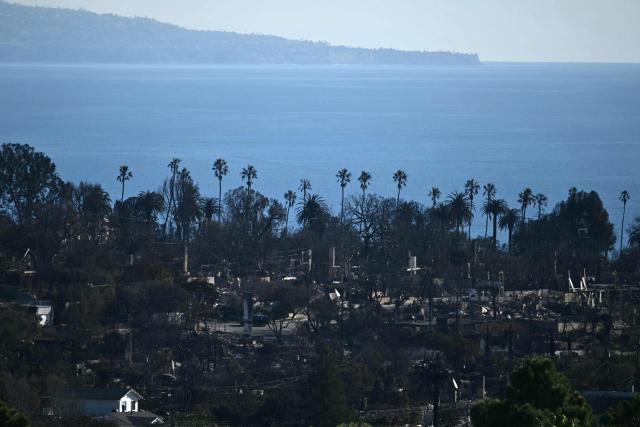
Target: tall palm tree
x,y
540,200
124,176
434,194
471,188
174,166
400,178
458,205
290,197
305,187
249,174
525,198
344,178
494,208
188,203
624,198
489,191
220,169
364,178
508,221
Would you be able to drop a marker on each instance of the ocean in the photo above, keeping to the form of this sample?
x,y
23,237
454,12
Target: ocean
x,y
544,126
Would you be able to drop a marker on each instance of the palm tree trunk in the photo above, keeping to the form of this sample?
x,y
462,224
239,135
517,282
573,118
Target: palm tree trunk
x,y
398,199
495,231
486,227
342,207
286,227
624,210
471,216
220,200
122,196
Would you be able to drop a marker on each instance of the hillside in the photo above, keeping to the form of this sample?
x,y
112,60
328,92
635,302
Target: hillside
x,y
37,34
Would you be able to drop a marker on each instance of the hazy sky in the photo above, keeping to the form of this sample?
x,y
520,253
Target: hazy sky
x,y
498,30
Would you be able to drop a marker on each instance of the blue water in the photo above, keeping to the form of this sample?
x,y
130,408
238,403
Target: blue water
x,y
549,127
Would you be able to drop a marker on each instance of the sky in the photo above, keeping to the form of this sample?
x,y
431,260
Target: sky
x,y
497,30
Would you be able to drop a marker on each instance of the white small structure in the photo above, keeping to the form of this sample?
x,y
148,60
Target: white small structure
x,y
129,402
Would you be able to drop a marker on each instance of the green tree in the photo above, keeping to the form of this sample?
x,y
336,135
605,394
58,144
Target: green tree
x,y
459,207
365,180
400,178
526,199
305,187
188,204
344,178
209,208
489,191
624,198
634,233
625,414
313,214
9,417
220,169
537,395
434,194
174,166
28,180
494,208
328,398
471,188
508,220
124,176
290,198
540,200
149,204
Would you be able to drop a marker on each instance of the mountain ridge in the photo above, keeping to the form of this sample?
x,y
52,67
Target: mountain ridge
x,y
55,35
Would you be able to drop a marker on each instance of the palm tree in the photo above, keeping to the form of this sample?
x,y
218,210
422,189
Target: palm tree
x,y
525,198
508,220
442,215
434,194
624,198
540,200
249,174
149,204
188,203
220,169
494,208
209,206
174,166
124,176
305,187
471,188
634,233
313,213
290,197
459,208
489,191
400,178
344,178
365,179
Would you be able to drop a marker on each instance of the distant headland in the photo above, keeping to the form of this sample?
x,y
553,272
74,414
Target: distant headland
x,y
51,35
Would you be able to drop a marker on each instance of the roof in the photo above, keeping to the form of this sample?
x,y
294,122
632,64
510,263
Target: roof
x,y
141,418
